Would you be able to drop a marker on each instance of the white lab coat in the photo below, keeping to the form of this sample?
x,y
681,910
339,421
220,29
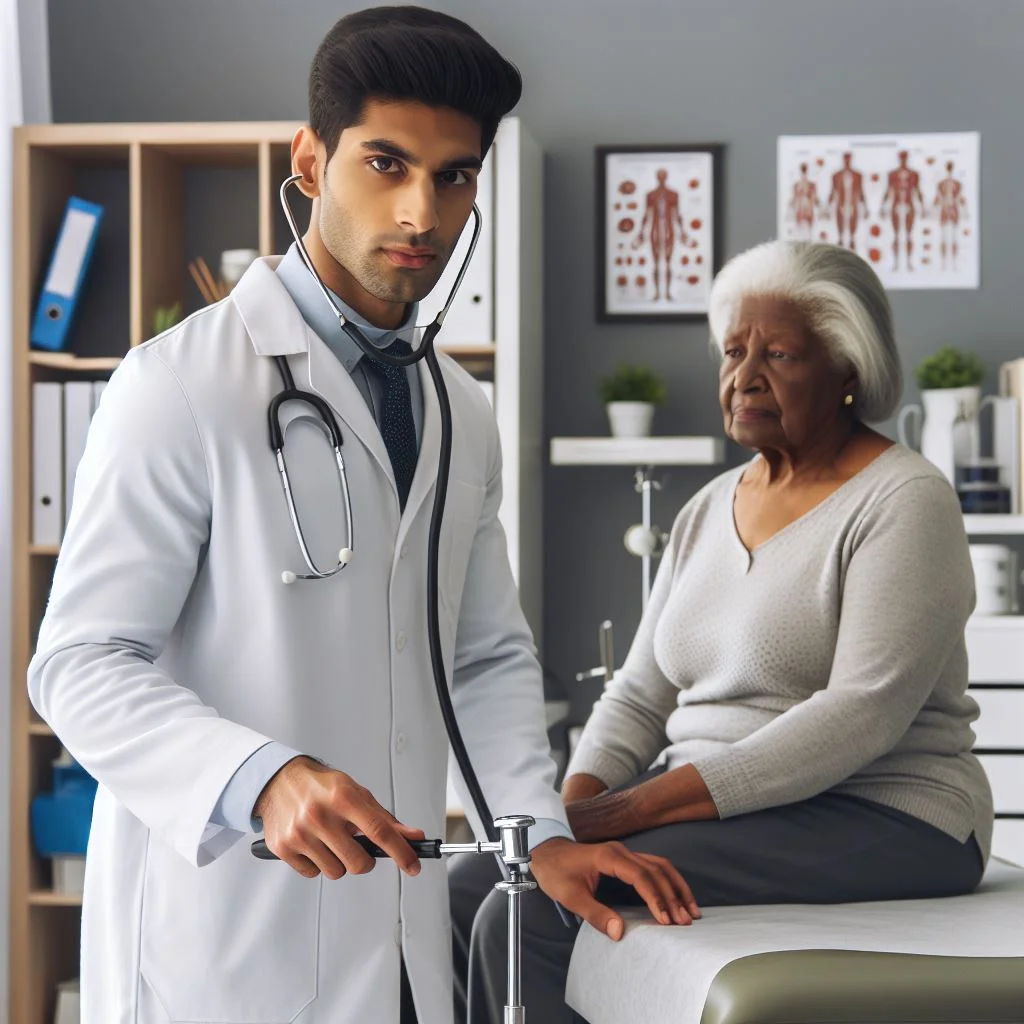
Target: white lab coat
x,y
171,651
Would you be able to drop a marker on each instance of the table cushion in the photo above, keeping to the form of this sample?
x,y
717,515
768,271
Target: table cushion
x,y
828,986
940,961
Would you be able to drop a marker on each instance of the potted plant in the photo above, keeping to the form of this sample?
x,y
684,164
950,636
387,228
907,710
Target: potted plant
x,y
950,384
631,395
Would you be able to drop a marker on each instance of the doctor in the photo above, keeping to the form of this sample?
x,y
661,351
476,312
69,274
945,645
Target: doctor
x,y
205,695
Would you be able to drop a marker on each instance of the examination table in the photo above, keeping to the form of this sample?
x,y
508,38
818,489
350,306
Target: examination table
x,y
958,959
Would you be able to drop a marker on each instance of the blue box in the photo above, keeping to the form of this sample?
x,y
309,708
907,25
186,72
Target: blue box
x,y
61,819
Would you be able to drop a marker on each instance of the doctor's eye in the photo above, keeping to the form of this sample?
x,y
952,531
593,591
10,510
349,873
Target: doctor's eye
x,y
390,164
454,178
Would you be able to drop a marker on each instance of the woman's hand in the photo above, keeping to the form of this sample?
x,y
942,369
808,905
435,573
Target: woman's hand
x,y
569,873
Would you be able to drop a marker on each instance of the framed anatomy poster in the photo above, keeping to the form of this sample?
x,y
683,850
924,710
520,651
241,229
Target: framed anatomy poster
x,y
658,231
907,203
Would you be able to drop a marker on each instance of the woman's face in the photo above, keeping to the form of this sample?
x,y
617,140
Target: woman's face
x,y
778,385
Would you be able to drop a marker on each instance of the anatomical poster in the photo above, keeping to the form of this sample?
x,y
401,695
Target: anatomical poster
x,y
657,227
907,203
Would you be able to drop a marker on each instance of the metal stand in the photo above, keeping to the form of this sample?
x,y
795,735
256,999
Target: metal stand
x,y
605,645
645,539
514,851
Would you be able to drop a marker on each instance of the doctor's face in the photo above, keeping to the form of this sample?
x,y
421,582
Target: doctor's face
x,y
393,200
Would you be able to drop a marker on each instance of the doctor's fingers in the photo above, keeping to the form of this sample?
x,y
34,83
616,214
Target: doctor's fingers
x,y
386,831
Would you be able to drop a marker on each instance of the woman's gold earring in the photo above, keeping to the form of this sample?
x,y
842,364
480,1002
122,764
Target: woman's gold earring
x,y
848,400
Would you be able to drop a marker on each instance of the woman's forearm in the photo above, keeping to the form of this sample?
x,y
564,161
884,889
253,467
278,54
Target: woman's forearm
x,y
678,795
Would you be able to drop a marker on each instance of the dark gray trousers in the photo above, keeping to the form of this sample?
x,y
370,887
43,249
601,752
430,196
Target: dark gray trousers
x,y
830,849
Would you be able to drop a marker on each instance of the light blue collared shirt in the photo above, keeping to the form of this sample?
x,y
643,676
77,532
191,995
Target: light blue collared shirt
x,y
235,806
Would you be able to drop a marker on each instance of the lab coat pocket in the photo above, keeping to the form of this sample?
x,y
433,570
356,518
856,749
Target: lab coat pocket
x,y
233,942
461,519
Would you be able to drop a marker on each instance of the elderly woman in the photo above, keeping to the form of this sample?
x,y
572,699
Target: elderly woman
x,y
799,677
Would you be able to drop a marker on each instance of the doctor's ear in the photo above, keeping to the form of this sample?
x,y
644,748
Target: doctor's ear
x,y
307,149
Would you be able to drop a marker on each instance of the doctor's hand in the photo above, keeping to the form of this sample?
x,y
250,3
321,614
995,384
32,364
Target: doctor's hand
x,y
569,873
311,812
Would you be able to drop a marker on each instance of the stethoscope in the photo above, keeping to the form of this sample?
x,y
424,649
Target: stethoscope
x,y
291,393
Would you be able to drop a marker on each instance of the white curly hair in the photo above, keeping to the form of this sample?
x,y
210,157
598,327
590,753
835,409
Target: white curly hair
x,y
843,303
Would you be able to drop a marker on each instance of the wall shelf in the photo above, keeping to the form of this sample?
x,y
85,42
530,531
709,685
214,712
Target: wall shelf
x,y
46,898
71,363
637,451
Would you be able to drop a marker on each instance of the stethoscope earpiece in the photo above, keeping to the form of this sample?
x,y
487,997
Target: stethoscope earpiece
x,y
288,577
344,556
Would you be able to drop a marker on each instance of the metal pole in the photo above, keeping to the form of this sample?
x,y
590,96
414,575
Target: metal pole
x,y
515,854
645,485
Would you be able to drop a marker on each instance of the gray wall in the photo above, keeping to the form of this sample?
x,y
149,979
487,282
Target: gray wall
x,y
740,72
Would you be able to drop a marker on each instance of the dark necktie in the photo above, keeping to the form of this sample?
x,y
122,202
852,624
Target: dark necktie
x,y
396,422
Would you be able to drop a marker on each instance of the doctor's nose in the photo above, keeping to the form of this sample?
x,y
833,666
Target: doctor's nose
x,y
416,210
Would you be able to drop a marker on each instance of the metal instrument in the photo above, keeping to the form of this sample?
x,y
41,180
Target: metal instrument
x,y
512,847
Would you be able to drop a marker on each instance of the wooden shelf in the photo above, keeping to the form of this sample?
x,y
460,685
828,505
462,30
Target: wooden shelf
x,y
469,351
39,729
47,550
72,363
46,898
637,451
994,525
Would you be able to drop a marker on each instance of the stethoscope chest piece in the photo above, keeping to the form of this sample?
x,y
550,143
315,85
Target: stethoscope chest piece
x,y
326,418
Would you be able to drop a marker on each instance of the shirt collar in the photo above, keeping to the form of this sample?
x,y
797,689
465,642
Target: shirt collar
x,y
316,311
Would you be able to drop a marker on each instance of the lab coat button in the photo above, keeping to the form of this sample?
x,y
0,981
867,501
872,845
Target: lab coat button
x,y
400,742
400,641
404,551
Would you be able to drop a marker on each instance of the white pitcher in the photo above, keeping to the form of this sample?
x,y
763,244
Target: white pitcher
x,y
949,432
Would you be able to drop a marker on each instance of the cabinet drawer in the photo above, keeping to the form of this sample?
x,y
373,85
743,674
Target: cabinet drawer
x,y
1001,723
1008,840
1006,776
995,649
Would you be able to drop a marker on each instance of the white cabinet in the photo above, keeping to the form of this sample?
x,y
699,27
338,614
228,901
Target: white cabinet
x,y
1000,726
1006,774
1008,841
995,652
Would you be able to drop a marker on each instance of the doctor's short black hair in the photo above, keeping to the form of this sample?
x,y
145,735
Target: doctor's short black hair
x,y
408,53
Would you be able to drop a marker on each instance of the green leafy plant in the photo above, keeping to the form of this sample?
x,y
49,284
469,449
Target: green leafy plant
x,y
166,317
634,384
950,368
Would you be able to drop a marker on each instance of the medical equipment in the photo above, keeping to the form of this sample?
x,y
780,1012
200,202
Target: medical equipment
x,y
507,837
513,850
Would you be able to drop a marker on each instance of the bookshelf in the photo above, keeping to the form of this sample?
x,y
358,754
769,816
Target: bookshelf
x,y
171,193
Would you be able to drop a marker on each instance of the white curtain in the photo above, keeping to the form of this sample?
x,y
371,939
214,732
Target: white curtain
x,y
10,115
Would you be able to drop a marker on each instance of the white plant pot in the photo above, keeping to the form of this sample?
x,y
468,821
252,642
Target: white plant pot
x,y
630,419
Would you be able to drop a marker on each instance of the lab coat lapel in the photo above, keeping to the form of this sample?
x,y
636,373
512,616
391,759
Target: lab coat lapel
x,y
329,379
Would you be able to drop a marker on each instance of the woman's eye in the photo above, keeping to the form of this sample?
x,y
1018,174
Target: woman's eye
x,y
731,353
779,355
384,164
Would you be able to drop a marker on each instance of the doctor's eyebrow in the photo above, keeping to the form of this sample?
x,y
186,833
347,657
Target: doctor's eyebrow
x,y
382,146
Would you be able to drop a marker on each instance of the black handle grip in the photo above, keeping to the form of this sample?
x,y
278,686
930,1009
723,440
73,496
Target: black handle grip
x,y
425,849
